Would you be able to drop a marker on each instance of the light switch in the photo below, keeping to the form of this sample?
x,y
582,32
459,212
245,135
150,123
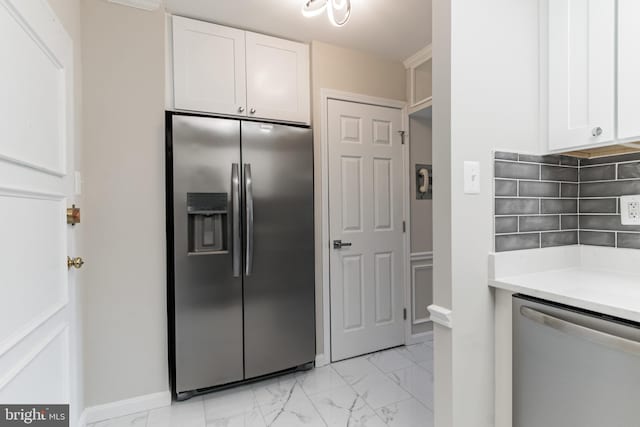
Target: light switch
x,y
630,210
471,177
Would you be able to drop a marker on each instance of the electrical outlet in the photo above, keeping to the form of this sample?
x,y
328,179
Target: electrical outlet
x,y
630,210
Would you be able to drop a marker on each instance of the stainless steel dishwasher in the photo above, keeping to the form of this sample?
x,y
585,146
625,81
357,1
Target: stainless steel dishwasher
x,y
573,368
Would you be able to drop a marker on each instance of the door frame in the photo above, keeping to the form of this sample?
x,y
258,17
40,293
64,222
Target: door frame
x,y
325,96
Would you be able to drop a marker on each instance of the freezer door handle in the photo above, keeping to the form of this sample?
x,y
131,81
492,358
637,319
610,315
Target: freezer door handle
x,y
248,194
597,337
235,202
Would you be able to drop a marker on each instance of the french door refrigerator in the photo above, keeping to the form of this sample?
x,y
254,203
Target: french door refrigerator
x,y
240,250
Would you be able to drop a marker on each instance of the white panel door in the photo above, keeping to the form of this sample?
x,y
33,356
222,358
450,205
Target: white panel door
x,y
629,70
277,79
37,320
366,213
581,73
208,67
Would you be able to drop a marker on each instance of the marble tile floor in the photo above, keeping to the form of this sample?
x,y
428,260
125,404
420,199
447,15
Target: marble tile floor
x,y
389,388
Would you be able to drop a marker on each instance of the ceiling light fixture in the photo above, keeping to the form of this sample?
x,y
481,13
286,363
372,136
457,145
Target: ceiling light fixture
x,y
338,11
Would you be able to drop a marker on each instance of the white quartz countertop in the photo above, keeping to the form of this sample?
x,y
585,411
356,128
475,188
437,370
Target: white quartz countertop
x,y
603,280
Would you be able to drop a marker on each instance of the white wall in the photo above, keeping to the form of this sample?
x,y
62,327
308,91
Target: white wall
x,y
338,68
493,97
124,216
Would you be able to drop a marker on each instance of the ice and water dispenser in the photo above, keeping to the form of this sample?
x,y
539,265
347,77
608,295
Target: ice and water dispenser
x,y
208,215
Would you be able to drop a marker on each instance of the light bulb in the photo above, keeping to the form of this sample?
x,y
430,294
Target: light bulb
x,y
334,5
313,7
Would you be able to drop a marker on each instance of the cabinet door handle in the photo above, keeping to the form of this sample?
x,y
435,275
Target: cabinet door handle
x,y
597,131
240,109
252,111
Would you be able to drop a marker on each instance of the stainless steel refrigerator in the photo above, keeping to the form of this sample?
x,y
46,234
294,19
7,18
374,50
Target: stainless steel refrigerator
x,y
240,250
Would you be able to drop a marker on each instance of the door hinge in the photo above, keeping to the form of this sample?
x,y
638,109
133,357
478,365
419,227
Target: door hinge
x,y
402,133
404,226
404,313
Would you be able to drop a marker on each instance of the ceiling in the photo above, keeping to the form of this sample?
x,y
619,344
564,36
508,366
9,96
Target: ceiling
x,y
393,29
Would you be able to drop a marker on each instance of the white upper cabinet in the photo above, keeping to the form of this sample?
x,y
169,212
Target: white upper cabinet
x,y
629,70
209,70
419,78
581,73
227,71
277,79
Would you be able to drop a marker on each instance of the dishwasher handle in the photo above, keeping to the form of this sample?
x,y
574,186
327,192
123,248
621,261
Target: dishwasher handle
x,y
597,337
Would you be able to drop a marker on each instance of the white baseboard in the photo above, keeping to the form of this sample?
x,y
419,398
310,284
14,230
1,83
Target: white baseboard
x,y
321,360
120,408
420,338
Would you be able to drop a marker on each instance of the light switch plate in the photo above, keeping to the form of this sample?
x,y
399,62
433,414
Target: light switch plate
x,y
630,210
471,178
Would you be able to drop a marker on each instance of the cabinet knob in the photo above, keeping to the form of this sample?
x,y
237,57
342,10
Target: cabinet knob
x,y
240,109
596,131
252,111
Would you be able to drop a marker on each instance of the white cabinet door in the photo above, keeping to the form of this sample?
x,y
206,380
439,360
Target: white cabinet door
x,y
208,67
581,73
277,79
628,69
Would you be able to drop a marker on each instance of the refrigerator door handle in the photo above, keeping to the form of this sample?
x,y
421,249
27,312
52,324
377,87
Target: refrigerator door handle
x,y
248,191
235,201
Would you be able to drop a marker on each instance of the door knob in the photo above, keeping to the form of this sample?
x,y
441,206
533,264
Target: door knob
x,y
240,109
337,244
596,131
252,111
76,262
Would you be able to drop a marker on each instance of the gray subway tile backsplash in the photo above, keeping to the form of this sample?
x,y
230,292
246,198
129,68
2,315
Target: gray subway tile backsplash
x,y
559,238
569,222
506,187
506,224
629,240
605,222
629,170
539,189
514,242
598,205
551,159
559,173
539,223
556,206
505,156
517,170
568,190
597,238
556,200
516,206
598,173
609,189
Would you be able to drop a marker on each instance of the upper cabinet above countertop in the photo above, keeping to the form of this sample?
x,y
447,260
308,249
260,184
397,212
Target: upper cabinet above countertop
x,y
590,91
227,71
419,79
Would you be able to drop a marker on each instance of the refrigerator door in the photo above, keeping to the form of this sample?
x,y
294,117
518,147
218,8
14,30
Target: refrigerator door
x,y
573,368
279,301
206,207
